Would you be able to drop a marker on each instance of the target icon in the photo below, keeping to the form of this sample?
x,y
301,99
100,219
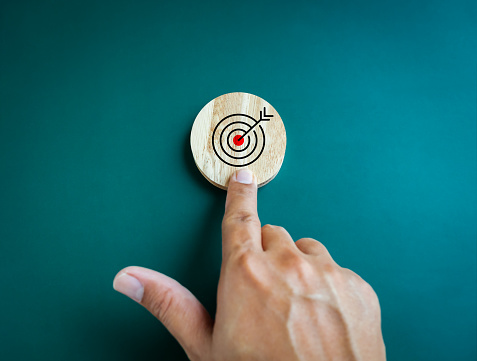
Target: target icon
x,y
241,138
236,131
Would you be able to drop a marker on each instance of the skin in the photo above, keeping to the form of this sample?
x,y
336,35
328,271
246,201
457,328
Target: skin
x,y
277,299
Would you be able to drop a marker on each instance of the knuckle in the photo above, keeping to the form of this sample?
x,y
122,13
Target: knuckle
x,y
364,287
313,243
162,305
298,269
241,216
304,242
244,265
293,261
268,227
272,228
243,260
304,270
308,240
367,289
331,270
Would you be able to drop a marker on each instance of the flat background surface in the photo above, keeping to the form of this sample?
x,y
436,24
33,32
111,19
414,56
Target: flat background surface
x,y
97,102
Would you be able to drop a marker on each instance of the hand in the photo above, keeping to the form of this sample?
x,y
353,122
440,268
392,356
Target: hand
x,y
277,299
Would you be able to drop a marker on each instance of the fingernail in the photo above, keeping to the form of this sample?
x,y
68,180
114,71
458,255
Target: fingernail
x,y
129,286
244,176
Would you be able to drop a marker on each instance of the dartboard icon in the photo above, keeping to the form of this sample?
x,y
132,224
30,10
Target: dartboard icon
x,y
238,139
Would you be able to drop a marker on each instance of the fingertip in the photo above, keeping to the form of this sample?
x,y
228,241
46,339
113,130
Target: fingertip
x,y
244,176
241,224
170,302
125,270
128,285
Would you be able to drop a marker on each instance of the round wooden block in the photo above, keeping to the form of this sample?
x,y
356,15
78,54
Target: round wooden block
x,y
234,131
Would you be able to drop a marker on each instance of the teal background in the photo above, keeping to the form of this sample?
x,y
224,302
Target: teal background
x,y
97,99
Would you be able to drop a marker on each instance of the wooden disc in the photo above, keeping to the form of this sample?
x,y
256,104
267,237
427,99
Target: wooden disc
x,y
234,131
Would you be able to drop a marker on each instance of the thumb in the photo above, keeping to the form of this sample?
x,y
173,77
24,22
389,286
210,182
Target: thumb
x,y
173,304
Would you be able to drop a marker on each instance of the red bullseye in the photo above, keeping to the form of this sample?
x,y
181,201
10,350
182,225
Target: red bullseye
x,y
238,141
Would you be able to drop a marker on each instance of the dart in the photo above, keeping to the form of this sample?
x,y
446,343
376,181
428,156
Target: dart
x,y
239,140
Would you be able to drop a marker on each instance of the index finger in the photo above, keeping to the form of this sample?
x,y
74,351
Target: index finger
x,y
241,226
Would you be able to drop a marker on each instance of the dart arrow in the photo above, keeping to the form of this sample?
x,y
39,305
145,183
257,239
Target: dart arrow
x,y
264,118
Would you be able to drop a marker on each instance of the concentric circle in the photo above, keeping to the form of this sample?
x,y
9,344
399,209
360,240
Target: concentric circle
x,y
228,127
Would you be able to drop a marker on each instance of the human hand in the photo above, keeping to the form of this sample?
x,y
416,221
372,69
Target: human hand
x,y
277,299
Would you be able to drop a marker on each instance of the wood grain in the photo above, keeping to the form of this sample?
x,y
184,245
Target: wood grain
x,y
232,116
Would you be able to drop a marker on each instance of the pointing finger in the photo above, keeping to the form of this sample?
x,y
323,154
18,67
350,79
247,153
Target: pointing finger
x,y
241,225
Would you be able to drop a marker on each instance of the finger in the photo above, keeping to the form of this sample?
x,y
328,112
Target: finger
x,y
241,225
178,309
274,237
312,247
